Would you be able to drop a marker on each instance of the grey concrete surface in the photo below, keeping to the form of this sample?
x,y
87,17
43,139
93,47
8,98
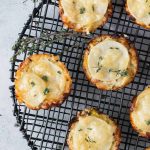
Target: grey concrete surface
x,y
13,15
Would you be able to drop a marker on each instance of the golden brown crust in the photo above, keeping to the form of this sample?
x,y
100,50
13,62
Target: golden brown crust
x,y
46,103
148,148
96,113
132,108
134,19
69,24
131,70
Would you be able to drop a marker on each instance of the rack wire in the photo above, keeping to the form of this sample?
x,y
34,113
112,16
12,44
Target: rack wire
x,y
47,129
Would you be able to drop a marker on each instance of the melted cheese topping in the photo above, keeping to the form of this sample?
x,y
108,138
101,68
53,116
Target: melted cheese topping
x,y
106,58
85,13
44,79
32,93
140,9
141,113
92,133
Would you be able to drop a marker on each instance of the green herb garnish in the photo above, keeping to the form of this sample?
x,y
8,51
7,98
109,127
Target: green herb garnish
x,y
80,129
114,48
46,91
59,72
88,139
93,8
100,58
45,78
89,128
33,84
122,73
26,44
148,122
99,67
82,10
31,44
74,2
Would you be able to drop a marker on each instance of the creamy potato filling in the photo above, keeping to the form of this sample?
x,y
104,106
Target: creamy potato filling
x,y
108,60
92,133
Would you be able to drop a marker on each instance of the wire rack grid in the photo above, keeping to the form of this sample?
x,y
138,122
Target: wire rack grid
x,y
47,129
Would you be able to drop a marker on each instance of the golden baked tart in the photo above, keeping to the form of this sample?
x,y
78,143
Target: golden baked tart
x,y
140,113
42,81
139,10
110,62
92,130
85,16
148,148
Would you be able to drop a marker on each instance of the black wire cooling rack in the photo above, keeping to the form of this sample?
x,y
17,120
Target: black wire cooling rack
x,y
47,129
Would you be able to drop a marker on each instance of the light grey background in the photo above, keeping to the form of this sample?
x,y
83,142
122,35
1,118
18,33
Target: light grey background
x,y
13,15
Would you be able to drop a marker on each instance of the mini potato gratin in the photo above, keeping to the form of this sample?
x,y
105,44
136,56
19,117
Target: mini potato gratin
x,y
140,113
139,10
42,81
85,16
110,62
93,130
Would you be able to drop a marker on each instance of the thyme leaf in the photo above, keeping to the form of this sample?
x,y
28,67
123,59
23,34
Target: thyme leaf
x,y
82,10
148,122
45,78
93,7
89,128
114,48
88,139
46,91
33,84
80,129
99,67
59,72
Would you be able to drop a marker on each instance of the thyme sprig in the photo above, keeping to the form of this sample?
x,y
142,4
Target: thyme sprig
x,y
32,44
23,45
